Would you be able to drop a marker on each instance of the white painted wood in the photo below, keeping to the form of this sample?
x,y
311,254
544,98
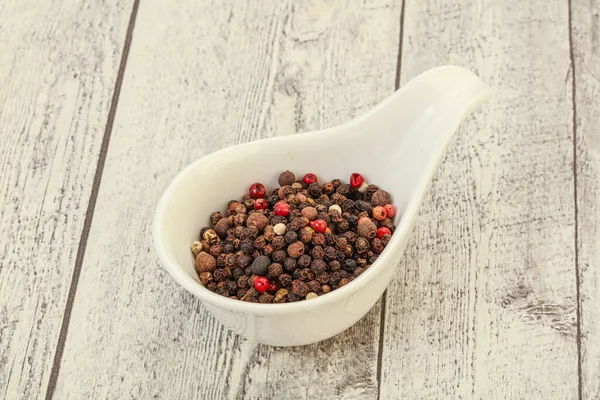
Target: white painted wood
x,y
58,66
200,78
484,305
586,54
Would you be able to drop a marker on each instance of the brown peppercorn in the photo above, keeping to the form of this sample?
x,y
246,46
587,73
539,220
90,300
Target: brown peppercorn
x,y
215,217
385,239
309,212
265,298
275,269
341,243
268,250
323,277
222,260
258,220
318,266
362,245
314,286
221,274
304,261
343,282
240,219
285,280
367,229
260,242
269,233
292,297
369,192
330,253
305,235
295,249
381,198
242,282
358,271
317,252
251,232
205,278
335,265
290,264
249,204
318,239
328,188
279,256
205,246
377,245
215,250
344,189
232,206
286,178
205,262
278,242
299,288
325,288
222,227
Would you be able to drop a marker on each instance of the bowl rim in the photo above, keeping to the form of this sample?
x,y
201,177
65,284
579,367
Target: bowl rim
x,y
197,289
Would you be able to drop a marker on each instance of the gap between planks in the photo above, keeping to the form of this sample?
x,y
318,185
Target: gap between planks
x,y
89,215
384,296
575,209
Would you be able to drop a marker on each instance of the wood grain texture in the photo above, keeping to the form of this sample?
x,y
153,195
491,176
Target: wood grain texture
x,y
200,78
58,66
585,35
485,302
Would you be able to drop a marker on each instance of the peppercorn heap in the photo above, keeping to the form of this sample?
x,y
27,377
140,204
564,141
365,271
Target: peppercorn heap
x,y
300,242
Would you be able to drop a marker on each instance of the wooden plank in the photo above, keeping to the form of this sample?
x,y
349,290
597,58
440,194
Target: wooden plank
x,y
58,67
485,302
200,78
585,21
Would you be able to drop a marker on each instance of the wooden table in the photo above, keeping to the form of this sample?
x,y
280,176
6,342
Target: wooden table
x,y
102,103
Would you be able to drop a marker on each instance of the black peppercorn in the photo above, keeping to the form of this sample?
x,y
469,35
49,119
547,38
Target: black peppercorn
x,y
299,288
244,260
314,189
317,252
318,266
215,218
335,265
349,265
276,269
247,246
290,264
285,280
304,261
291,237
278,242
279,256
237,272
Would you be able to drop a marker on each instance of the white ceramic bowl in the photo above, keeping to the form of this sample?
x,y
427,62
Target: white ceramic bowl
x,y
397,146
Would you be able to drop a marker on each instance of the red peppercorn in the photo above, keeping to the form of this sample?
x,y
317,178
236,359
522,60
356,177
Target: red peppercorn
x,y
383,231
273,288
356,180
319,225
261,284
261,204
309,178
257,191
379,213
282,209
391,210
